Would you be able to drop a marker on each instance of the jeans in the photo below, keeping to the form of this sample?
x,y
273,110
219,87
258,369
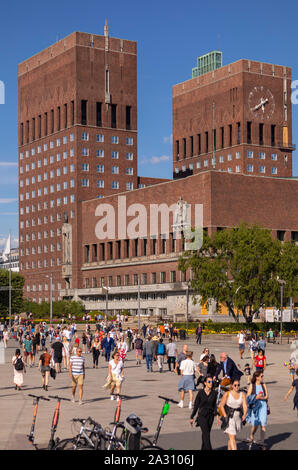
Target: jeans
x,y
149,361
171,360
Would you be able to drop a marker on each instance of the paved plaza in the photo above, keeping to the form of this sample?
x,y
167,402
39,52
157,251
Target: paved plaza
x,y
141,390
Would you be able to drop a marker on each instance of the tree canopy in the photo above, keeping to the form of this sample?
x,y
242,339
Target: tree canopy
x,y
17,285
240,268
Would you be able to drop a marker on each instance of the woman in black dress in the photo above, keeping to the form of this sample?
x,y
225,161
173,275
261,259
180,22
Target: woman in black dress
x,y
205,404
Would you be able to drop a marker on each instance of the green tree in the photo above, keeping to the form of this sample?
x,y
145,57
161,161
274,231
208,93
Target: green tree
x,y
239,268
17,285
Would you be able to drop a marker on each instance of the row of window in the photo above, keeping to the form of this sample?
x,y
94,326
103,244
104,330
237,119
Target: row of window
x,y
46,146
250,168
40,249
48,190
46,234
128,279
100,169
38,178
208,141
65,185
262,155
46,161
41,287
100,138
40,264
101,184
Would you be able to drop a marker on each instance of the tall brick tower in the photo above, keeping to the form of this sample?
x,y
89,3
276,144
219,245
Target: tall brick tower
x,y
237,118
77,141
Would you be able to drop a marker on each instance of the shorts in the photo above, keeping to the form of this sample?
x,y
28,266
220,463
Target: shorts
x,y
139,352
26,353
186,383
58,359
241,346
77,380
45,369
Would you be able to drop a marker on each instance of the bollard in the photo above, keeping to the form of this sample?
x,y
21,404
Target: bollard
x,y
2,353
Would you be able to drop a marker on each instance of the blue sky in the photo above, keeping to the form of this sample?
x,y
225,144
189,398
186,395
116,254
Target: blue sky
x,y
170,35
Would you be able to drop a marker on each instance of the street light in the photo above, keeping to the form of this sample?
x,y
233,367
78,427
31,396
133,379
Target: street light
x,y
187,301
282,284
51,297
107,299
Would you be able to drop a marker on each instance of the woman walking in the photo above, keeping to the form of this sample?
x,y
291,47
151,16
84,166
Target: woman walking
x,y
205,404
18,369
233,408
122,348
294,385
96,348
202,370
45,368
115,375
5,337
84,342
257,397
187,382
66,352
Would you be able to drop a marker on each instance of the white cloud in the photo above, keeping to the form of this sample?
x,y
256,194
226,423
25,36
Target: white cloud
x,y
168,140
155,160
7,200
8,164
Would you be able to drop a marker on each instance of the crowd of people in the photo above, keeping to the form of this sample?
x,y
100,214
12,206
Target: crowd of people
x,y
54,348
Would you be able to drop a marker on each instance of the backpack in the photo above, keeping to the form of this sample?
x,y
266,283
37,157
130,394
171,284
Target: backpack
x,y
161,349
18,365
129,334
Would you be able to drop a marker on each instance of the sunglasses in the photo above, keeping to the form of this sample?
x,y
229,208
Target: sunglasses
x,y
236,385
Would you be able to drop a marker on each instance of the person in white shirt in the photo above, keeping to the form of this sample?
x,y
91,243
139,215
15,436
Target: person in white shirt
x,y
187,382
241,343
171,350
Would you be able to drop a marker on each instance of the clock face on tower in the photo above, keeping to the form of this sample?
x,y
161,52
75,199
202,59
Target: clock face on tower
x,y
261,103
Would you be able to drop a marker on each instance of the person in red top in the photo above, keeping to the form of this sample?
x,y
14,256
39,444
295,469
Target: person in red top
x,y
260,361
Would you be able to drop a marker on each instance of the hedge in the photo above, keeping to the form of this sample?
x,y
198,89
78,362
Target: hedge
x,y
236,327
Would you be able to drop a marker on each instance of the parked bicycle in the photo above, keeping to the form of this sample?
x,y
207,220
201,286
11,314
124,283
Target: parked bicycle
x,y
90,437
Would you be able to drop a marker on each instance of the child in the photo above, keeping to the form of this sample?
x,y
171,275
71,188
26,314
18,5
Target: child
x,y
247,373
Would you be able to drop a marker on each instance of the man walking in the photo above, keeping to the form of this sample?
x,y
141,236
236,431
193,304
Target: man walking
x,y
171,354
148,353
181,357
108,345
58,349
77,374
199,333
161,350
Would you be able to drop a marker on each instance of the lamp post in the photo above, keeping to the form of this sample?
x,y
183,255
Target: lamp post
x,y
107,299
139,305
187,301
50,276
282,284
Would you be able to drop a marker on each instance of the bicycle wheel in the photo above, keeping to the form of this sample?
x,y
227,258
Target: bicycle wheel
x,y
151,447
73,444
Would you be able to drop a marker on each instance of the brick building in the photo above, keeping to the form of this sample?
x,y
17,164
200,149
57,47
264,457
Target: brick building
x,y
77,141
237,118
232,156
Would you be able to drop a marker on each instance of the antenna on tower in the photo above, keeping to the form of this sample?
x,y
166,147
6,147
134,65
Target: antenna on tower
x,y
106,28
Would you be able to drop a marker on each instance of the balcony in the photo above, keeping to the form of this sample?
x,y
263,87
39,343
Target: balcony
x,y
286,146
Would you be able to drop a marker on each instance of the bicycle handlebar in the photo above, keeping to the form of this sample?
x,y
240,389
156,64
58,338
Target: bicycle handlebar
x,y
167,399
38,396
55,397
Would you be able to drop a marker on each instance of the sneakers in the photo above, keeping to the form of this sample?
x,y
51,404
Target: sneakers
x,y
113,397
80,402
73,399
180,404
190,405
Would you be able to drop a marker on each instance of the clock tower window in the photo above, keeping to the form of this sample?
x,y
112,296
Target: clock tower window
x,y
261,134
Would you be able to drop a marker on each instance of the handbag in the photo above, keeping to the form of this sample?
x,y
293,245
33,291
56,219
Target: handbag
x,y
53,373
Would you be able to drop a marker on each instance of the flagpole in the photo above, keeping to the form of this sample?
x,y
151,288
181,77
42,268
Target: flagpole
x,y
9,308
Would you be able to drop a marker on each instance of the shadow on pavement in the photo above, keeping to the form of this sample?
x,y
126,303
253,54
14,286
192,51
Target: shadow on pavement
x,y
273,440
